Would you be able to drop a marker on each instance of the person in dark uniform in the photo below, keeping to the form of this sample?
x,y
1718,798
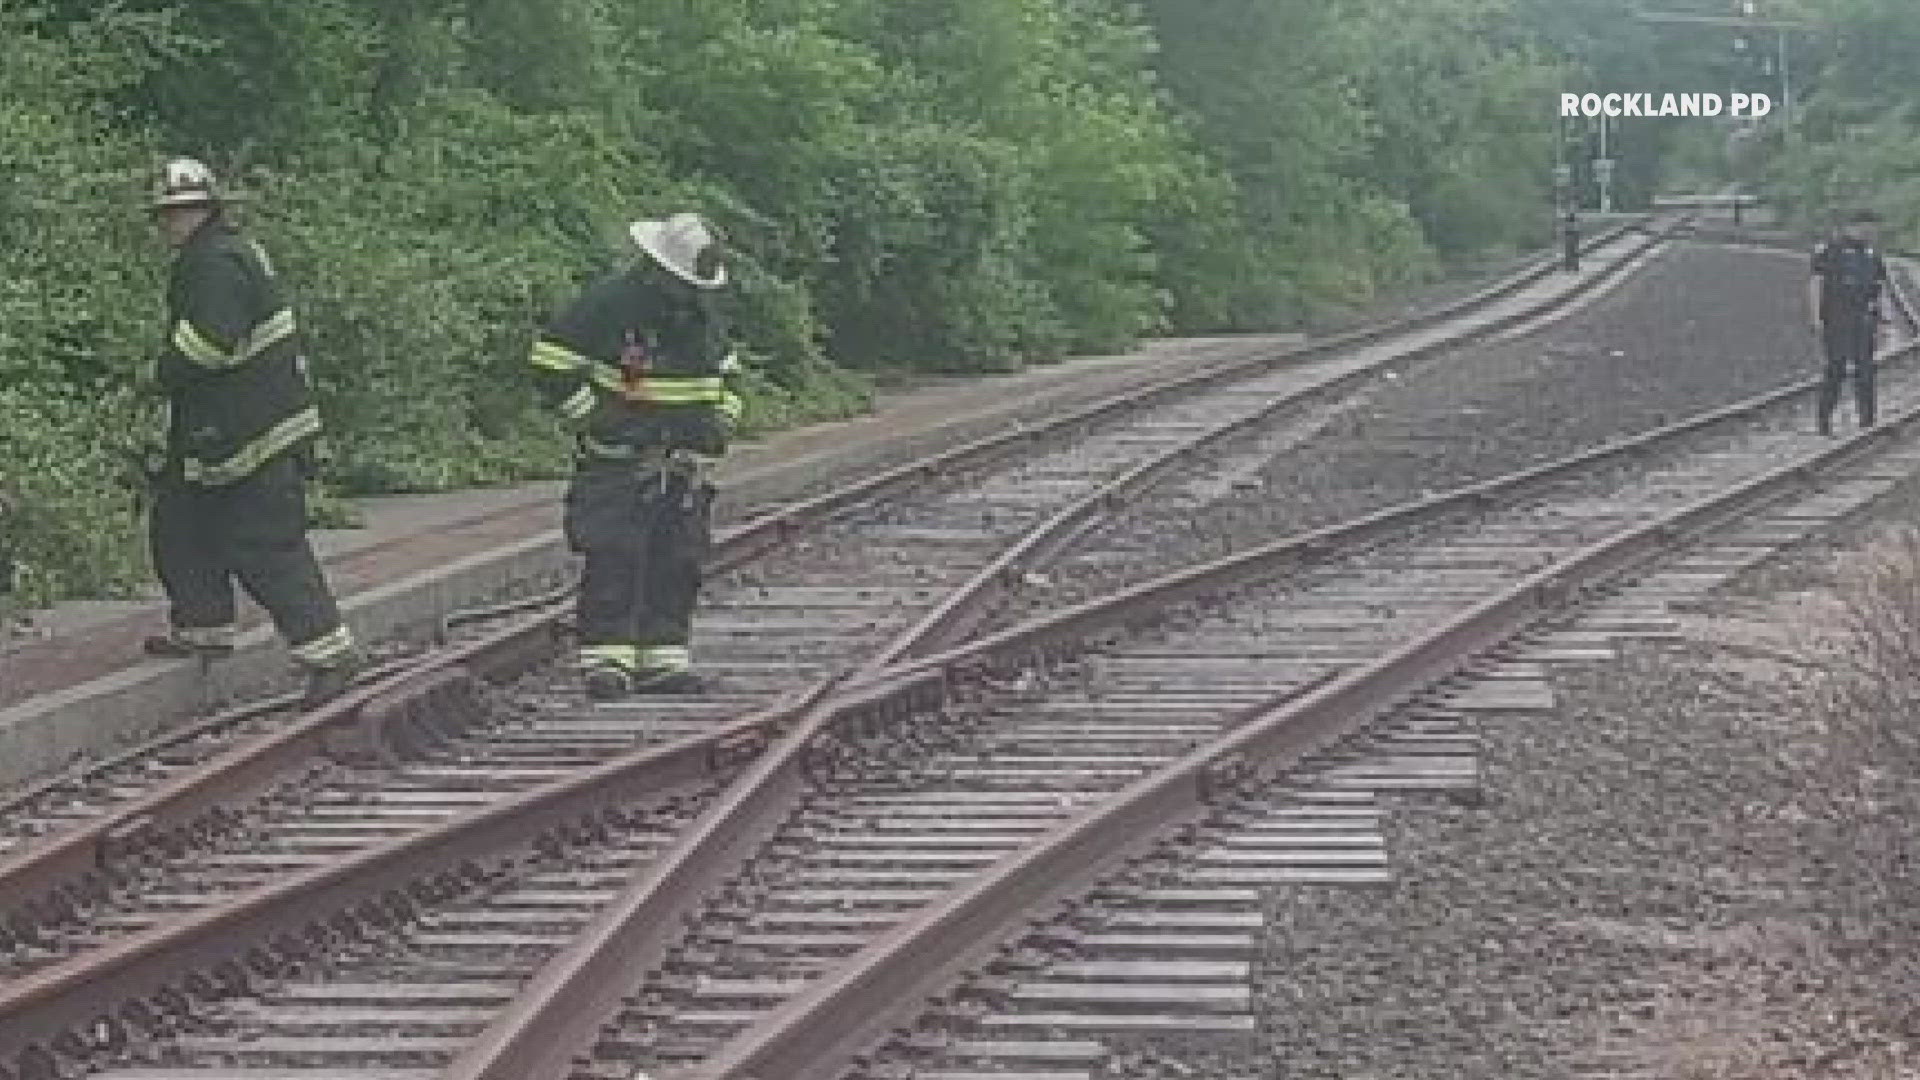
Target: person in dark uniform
x,y
1844,297
1570,241
229,487
641,364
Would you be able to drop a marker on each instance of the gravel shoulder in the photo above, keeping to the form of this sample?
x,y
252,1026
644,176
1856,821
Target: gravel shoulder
x,y
1631,854
1684,872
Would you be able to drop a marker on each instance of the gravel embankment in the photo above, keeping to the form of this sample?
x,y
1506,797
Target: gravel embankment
x,y
1646,891
1622,898
1703,327
1698,868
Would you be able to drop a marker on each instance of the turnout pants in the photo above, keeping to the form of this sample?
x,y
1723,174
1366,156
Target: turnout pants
x,y
1848,342
644,527
206,538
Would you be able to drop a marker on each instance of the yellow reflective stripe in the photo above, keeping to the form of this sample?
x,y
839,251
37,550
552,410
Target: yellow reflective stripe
x,y
274,329
326,649
579,404
555,357
196,347
666,658
688,393
661,389
665,389
256,453
205,637
625,657
606,377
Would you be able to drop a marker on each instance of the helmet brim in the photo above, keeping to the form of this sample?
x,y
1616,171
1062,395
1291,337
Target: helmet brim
x,y
192,201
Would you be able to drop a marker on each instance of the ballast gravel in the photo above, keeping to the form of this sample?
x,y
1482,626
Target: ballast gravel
x,y
1632,848
1644,892
1701,327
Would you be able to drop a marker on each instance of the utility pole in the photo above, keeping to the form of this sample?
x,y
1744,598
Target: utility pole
x,y
1603,170
1786,86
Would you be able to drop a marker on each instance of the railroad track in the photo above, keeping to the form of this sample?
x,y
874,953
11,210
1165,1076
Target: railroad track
x,y
163,848
1116,942
1146,945
887,690
1258,852
57,803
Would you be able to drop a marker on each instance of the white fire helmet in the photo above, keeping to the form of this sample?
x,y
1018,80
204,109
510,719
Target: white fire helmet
x,y
187,182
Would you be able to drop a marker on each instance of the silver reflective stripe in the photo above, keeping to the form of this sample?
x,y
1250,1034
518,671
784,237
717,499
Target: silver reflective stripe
x,y
623,451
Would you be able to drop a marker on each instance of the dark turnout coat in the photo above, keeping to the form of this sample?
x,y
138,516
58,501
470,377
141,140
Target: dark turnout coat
x,y
235,383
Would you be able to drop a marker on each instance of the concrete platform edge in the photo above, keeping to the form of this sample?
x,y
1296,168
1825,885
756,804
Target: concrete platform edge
x,y
48,732
94,718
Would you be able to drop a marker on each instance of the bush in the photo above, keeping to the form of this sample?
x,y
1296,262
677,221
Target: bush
x,y
907,185
72,525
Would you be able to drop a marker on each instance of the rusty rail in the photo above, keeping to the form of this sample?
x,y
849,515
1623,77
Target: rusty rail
x,y
574,994
822,1030
51,879
64,873
953,619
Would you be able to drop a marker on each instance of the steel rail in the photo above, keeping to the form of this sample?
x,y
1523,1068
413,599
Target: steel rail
x,y
523,1044
52,1002
823,1029
578,991
772,527
50,880
953,619
760,532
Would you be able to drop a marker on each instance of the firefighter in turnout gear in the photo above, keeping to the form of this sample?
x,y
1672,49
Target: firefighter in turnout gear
x,y
640,364
1844,295
229,487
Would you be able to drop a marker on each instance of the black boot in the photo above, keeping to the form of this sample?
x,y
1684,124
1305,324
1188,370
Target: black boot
x,y
669,682
326,683
607,684
175,647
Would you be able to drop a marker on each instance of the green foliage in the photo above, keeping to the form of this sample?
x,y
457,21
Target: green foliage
x,y
71,526
1854,141
927,267
906,185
